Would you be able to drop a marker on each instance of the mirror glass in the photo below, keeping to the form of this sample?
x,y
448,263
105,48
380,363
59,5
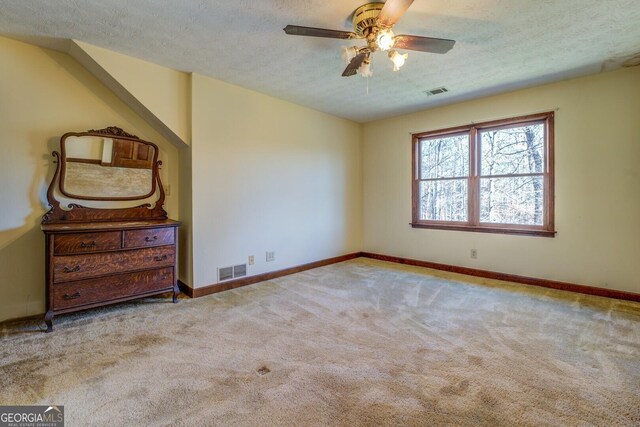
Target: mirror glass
x,y
107,168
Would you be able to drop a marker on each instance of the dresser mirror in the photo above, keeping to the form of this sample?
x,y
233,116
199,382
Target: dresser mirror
x,y
111,167
106,168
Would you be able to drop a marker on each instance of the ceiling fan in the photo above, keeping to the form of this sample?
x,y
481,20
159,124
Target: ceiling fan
x,y
374,22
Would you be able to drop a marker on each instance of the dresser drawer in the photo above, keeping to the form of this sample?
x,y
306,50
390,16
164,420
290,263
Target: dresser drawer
x,y
86,242
148,237
74,267
91,291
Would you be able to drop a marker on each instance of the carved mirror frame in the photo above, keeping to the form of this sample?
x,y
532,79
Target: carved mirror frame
x,y
65,160
78,213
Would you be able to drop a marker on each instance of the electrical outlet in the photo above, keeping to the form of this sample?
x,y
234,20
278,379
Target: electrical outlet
x,y
252,260
167,190
271,256
474,253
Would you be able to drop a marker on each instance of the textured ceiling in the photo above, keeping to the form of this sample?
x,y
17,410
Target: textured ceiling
x,y
502,44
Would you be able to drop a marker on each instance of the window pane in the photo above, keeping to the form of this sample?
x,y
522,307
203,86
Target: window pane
x,y
444,200
517,200
446,157
512,151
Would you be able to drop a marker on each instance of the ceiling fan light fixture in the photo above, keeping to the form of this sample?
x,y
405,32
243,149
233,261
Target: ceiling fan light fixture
x,y
373,23
348,53
365,69
397,59
385,39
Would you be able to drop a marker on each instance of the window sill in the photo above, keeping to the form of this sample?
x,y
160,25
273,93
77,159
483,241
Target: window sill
x,y
487,229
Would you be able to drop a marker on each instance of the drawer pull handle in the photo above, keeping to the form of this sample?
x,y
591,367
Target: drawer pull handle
x,y
72,296
88,245
151,239
160,258
71,270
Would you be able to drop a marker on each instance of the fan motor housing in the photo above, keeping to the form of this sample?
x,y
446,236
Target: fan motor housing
x,y
365,18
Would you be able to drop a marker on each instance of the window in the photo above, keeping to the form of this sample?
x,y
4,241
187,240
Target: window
x,y
490,177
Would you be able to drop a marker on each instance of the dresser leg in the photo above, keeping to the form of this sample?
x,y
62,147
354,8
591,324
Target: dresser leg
x,y
176,292
48,319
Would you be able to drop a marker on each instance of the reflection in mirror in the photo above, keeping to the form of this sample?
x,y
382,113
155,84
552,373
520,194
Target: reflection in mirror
x,y
96,167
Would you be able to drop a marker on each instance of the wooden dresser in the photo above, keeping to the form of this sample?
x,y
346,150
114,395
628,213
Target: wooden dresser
x,y
98,263
103,255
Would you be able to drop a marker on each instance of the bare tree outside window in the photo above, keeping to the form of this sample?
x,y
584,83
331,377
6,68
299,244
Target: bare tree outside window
x,y
494,176
511,175
444,189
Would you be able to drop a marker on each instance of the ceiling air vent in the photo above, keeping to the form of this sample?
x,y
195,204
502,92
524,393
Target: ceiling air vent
x,y
225,273
240,270
436,91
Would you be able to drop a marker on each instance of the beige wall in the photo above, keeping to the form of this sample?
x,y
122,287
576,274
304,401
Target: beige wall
x,y
597,185
185,240
263,175
269,175
44,94
159,94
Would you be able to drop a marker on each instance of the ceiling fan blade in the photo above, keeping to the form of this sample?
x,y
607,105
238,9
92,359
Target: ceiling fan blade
x,y
296,30
355,63
423,44
392,11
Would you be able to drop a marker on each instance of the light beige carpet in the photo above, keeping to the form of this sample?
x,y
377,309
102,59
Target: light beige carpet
x,y
358,343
